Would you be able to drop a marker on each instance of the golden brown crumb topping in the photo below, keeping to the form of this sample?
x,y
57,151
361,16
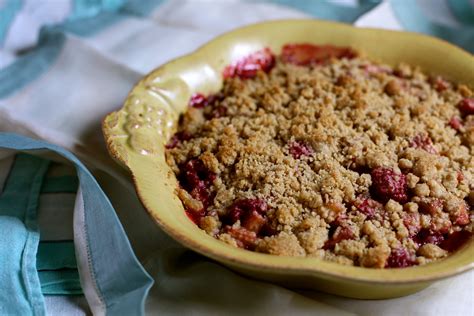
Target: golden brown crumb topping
x,y
340,158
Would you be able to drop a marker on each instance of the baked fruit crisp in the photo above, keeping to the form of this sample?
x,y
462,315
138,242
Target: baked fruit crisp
x,y
321,152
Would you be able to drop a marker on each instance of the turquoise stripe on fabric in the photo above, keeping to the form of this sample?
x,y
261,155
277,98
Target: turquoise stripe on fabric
x,y
463,10
101,15
15,300
412,18
330,11
22,188
31,65
60,282
122,282
89,8
20,292
61,184
7,14
56,255
88,18
140,7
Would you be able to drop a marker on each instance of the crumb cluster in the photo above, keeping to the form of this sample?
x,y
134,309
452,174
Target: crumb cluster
x,y
332,156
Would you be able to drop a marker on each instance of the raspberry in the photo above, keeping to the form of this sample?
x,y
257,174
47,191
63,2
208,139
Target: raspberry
x,y
430,206
455,240
368,206
374,69
268,230
254,222
216,112
201,193
309,54
196,179
195,172
439,84
341,233
387,184
400,258
198,101
245,206
462,217
412,223
426,236
298,149
177,139
251,212
341,218
466,106
424,142
249,66
194,216
442,228
244,237
456,123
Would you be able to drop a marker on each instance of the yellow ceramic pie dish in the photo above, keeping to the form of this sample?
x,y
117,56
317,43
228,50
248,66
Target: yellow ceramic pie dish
x,y
137,133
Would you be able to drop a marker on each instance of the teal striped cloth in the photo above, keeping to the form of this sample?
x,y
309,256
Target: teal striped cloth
x,y
55,259
41,233
54,196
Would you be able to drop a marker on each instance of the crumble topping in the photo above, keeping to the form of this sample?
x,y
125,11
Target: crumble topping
x,y
321,152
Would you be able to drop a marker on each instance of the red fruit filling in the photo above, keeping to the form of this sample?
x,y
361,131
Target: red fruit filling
x,y
412,223
341,233
462,217
197,180
245,206
195,216
456,123
250,212
430,206
368,206
449,242
254,222
466,106
249,66
177,139
374,69
198,101
298,149
387,184
216,112
309,54
439,84
400,258
212,108
340,221
244,237
454,241
424,142
426,236
442,229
